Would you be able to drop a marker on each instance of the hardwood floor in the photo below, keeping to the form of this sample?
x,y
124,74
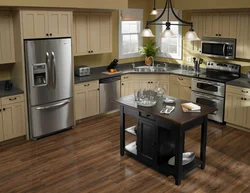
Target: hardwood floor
x,y
87,159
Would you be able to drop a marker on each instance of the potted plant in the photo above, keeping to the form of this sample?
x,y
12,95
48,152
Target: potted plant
x,y
149,51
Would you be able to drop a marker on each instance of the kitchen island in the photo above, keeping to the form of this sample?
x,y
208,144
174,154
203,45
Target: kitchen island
x,y
161,136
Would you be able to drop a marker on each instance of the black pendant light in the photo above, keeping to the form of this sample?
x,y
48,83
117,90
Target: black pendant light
x,y
190,35
154,11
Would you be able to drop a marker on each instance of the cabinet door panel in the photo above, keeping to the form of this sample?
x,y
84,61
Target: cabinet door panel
x,y
229,108
65,24
174,90
106,33
243,36
92,102
246,111
198,22
80,105
146,141
95,31
211,24
228,25
128,87
6,38
35,24
185,93
7,122
1,126
81,33
54,24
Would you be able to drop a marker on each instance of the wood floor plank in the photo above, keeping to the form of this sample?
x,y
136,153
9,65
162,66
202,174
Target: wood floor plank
x,y
87,159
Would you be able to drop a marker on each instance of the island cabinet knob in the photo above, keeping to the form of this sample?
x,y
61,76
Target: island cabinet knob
x,y
153,144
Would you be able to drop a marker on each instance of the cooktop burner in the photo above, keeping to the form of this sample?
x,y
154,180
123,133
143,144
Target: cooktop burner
x,y
221,72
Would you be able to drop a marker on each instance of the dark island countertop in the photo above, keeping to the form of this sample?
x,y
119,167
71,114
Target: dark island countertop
x,y
240,82
96,73
177,116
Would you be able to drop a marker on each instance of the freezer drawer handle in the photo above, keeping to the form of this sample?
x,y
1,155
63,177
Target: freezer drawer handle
x,y
53,106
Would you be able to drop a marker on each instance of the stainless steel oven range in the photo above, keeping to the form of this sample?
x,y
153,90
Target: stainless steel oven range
x,y
209,88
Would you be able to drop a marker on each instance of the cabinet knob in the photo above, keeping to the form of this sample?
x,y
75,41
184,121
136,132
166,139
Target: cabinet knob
x,y
190,87
50,34
153,144
91,51
148,82
0,110
219,34
98,89
3,109
151,82
47,34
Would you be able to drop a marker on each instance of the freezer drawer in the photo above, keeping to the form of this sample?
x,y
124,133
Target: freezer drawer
x,y
50,118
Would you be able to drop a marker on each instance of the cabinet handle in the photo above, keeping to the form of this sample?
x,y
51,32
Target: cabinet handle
x,y
3,109
241,98
244,91
50,34
151,82
245,99
0,110
148,82
180,78
88,51
98,89
219,34
190,87
86,84
12,99
122,84
91,51
47,34
153,144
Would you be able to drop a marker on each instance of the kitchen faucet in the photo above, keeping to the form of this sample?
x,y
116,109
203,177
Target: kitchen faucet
x,y
153,62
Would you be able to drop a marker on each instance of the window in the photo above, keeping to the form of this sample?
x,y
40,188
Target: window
x,y
129,33
170,47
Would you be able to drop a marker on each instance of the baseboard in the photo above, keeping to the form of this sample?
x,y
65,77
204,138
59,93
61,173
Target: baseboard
x,y
238,127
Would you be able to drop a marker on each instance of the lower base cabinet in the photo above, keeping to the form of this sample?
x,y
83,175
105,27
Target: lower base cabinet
x,y
12,118
237,106
86,99
180,87
146,141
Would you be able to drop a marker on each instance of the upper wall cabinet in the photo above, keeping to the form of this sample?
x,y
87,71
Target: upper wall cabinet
x,y
7,54
243,36
92,33
46,24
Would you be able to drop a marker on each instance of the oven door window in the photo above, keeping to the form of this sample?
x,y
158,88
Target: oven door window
x,y
213,49
207,102
207,87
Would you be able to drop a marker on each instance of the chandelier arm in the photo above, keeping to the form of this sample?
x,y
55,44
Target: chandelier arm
x,y
160,16
185,22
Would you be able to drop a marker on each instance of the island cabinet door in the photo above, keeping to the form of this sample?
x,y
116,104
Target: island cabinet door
x,y
146,142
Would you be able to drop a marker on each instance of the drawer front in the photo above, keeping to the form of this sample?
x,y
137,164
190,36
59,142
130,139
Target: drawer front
x,y
87,85
12,99
152,77
185,81
238,90
125,77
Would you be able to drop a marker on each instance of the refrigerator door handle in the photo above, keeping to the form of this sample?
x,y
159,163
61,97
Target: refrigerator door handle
x,y
53,63
48,67
54,105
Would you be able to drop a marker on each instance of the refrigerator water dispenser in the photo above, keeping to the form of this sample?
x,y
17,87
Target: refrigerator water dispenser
x,y
40,75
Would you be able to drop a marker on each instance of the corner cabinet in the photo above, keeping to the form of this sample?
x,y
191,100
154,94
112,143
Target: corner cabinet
x,y
86,99
46,24
180,87
237,106
12,117
7,53
92,33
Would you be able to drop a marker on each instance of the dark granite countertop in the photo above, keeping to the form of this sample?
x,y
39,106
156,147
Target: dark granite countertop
x,y
4,93
240,82
96,73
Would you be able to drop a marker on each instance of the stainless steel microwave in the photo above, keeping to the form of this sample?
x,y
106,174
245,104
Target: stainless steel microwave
x,y
219,47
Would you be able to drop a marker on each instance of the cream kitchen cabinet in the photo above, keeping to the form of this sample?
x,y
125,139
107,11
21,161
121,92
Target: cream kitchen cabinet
x,y
46,24
142,81
92,33
220,25
237,106
86,99
12,117
7,53
243,35
198,22
180,87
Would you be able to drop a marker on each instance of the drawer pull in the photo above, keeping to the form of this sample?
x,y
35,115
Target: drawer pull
x,y
86,84
12,99
180,78
244,91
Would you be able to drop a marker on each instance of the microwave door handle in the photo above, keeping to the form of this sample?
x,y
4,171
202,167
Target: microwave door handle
x,y
224,50
53,63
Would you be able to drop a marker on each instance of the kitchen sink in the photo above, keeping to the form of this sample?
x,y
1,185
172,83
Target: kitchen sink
x,y
150,69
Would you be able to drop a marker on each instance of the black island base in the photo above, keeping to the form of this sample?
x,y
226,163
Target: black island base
x,y
160,136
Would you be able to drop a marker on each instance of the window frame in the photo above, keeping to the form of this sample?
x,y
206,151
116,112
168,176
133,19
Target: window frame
x,y
140,40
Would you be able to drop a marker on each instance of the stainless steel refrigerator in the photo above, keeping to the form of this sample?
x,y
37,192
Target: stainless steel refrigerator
x,y
49,80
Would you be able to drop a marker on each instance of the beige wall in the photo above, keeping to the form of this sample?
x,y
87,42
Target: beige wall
x,y
105,59
211,4
98,4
